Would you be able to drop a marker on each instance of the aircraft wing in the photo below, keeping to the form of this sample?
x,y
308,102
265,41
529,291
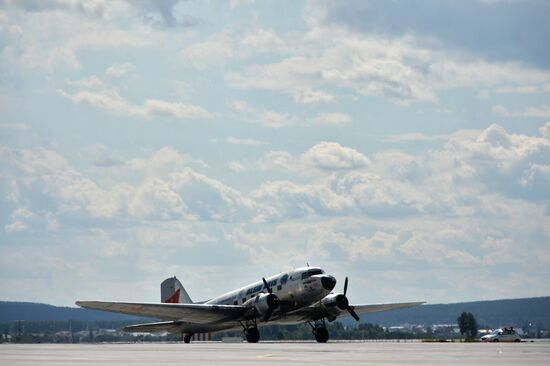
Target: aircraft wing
x,y
318,311
193,313
365,309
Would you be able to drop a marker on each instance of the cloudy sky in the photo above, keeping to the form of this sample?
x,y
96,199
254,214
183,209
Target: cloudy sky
x,y
404,144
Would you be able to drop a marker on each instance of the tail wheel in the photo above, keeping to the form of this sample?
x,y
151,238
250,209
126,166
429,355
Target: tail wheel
x,y
252,335
187,338
321,334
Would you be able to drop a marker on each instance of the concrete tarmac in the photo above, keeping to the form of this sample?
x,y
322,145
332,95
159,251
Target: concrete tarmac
x,y
368,353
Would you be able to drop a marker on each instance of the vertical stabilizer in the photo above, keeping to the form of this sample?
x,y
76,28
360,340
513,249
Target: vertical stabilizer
x,y
172,291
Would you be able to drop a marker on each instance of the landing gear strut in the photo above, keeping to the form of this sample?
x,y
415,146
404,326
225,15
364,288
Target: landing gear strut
x,y
319,330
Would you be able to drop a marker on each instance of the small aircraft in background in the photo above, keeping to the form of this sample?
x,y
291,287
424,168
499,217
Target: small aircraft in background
x,y
303,295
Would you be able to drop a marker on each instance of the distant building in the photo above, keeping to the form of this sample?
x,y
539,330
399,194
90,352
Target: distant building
x,y
63,336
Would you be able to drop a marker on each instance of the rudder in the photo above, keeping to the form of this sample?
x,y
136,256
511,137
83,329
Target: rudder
x,y
172,291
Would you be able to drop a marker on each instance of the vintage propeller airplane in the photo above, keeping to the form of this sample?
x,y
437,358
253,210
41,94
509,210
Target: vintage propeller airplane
x,y
298,296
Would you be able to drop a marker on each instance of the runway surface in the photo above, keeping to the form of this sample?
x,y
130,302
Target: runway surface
x,y
369,353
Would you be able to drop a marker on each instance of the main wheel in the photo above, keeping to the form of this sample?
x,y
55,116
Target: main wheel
x,y
252,335
321,334
187,338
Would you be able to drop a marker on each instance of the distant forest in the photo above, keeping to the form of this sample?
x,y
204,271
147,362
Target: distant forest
x,y
491,314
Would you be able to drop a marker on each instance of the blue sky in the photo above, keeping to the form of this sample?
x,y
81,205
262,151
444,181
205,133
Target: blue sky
x,y
403,144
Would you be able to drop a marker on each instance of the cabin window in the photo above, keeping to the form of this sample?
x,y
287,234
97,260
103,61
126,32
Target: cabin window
x,y
279,288
244,300
311,272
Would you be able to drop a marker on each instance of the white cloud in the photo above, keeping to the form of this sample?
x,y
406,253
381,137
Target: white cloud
x,y
210,199
266,117
376,195
542,111
236,166
438,209
141,195
525,89
111,101
273,119
117,70
278,159
333,156
15,227
284,200
400,69
545,130
91,82
331,119
90,7
414,136
50,40
435,248
313,97
241,141
225,46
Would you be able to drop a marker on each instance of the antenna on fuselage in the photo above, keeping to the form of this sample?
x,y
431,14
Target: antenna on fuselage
x,y
307,264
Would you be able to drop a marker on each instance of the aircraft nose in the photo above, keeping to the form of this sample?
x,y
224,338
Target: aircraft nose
x,y
328,282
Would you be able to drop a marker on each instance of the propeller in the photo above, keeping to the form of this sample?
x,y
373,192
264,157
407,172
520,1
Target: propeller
x,y
344,304
272,301
267,286
345,286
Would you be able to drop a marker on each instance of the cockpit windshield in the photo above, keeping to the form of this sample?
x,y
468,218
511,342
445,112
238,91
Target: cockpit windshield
x,y
311,272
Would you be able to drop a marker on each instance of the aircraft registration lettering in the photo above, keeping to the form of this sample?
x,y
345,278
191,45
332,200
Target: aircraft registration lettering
x,y
271,283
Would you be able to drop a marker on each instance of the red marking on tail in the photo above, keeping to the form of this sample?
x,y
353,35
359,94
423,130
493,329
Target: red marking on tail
x,y
174,299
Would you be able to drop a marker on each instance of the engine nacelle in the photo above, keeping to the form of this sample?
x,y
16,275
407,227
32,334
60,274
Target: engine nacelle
x,y
263,304
335,300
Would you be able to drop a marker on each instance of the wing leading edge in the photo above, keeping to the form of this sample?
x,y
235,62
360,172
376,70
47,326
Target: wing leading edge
x,y
192,313
319,311
374,308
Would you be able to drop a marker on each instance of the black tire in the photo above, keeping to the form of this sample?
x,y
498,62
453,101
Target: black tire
x,y
496,341
187,338
252,335
321,334
517,340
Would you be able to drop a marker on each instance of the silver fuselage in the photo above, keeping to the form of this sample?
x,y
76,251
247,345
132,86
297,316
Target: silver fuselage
x,y
295,289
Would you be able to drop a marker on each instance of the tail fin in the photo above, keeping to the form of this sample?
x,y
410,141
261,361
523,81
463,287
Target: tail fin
x,y
172,291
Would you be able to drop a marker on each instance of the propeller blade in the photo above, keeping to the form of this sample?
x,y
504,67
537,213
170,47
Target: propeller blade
x,y
353,313
266,285
345,286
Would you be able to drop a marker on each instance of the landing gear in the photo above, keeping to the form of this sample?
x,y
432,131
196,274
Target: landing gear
x,y
319,330
187,338
252,335
250,331
321,334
